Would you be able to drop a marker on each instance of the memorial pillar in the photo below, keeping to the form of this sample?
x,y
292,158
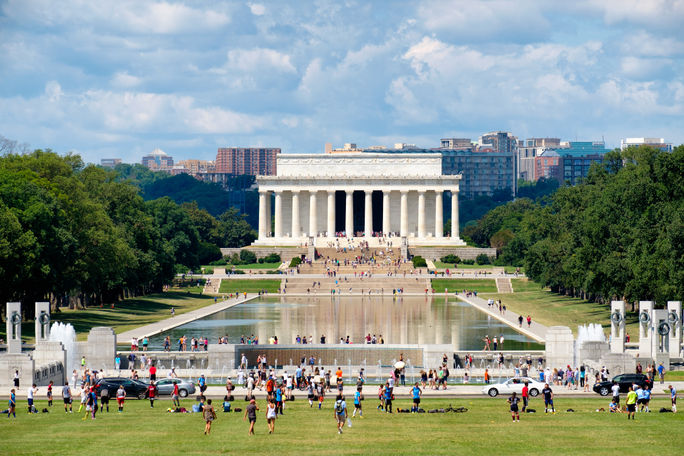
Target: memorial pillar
x,y
421,214
295,214
386,227
331,213
313,214
349,214
278,214
263,221
439,217
403,227
454,214
368,219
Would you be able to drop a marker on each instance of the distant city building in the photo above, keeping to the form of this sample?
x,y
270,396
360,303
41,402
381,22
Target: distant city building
x,y
110,162
197,166
547,165
499,141
256,161
158,160
577,158
658,143
456,143
527,152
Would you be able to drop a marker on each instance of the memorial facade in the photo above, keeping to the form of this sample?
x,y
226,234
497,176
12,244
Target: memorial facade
x,y
358,195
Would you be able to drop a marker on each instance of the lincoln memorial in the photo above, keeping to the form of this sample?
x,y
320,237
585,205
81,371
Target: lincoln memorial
x,y
369,196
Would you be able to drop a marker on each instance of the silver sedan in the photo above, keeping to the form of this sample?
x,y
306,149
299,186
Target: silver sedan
x,y
165,387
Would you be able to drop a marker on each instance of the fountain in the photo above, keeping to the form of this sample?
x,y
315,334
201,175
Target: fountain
x,y
590,343
65,333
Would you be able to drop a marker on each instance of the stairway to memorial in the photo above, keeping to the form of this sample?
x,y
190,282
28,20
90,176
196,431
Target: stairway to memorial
x,y
377,285
387,260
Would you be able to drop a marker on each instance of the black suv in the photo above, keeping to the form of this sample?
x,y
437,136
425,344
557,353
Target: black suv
x,y
625,381
133,388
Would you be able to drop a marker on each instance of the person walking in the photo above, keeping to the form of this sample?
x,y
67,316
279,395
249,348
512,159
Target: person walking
x,y
548,399
661,373
209,416
66,397
104,399
388,398
631,403
513,401
250,412
271,416
12,404
120,397
340,413
358,397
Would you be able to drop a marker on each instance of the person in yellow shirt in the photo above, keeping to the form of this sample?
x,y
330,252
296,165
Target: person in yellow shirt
x,y
631,402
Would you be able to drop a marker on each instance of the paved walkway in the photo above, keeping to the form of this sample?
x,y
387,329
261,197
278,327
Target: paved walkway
x,y
536,331
170,323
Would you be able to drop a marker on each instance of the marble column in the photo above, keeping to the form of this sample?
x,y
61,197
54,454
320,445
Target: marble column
x,y
263,221
421,214
403,231
295,214
454,214
331,213
313,214
278,214
269,227
349,214
439,217
368,218
386,226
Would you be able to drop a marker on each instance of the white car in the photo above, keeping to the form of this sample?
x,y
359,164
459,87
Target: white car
x,y
514,385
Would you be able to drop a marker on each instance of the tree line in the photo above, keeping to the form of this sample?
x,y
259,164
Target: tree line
x,y
76,233
617,235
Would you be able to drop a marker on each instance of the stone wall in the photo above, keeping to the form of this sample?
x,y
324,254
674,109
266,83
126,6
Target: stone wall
x,y
286,253
464,253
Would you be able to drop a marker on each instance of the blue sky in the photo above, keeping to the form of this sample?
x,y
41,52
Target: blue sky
x,y
117,78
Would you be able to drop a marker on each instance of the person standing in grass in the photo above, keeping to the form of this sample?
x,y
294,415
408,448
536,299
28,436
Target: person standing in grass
x,y
631,402
49,393
271,416
416,392
175,396
66,397
30,393
250,412
513,400
548,399
120,397
340,412
209,416
525,396
151,393
358,397
673,398
12,404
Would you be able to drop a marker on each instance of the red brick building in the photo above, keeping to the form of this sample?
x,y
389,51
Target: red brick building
x,y
257,161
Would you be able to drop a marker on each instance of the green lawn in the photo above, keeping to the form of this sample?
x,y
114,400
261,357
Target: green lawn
x,y
249,285
441,265
453,285
127,314
486,428
551,309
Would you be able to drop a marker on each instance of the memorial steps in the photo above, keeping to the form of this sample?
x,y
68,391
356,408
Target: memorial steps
x,y
377,285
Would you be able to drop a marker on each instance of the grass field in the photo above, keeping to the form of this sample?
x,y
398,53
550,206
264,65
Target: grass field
x,y
249,285
486,428
126,314
453,285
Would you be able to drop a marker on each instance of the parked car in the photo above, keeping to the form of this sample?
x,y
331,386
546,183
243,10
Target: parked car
x,y
133,388
514,385
165,387
625,381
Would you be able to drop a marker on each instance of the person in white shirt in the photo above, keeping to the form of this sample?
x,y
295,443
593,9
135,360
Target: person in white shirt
x,y
31,391
616,393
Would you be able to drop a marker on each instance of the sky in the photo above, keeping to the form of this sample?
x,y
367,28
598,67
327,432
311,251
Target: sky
x,y
118,78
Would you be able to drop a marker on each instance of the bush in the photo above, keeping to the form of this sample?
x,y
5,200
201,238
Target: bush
x,y
235,259
247,256
260,260
272,258
207,252
221,262
419,262
273,271
451,259
483,259
468,261
296,261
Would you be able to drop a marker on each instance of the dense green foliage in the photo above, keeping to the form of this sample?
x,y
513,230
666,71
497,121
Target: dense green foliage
x,y
451,259
419,262
619,234
74,231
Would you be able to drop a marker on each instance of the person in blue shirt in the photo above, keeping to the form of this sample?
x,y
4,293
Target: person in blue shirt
x,y
279,399
640,397
357,402
647,398
202,382
673,397
13,404
661,373
388,398
416,392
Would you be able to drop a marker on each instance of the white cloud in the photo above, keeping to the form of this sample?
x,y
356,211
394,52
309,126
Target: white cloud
x,y
53,91
259,60
257,9
644,44
124,80
639,68
656,13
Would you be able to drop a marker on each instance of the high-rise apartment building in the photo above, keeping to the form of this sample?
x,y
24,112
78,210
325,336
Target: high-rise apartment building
x,y
499,141
158,160
257,161
658,143
527,152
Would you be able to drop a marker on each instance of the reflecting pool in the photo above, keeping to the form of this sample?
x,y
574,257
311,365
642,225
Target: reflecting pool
x,y
401,320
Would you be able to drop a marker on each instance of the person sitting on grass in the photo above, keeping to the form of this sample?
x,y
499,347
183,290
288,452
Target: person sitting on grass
x,y
614,407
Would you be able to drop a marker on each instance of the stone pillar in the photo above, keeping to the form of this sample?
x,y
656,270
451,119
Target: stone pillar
x,y
617,326
331,213
674,318
295,214
368,218
559,349
454,214
439,217
269,227
278,214
421,214
349,214
101,348
645,329
313,214
386,225
42,323
263,217
403,230
13,327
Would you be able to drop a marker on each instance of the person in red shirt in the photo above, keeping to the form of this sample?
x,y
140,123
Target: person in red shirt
x,y
175,396
153,372
525,396
151,393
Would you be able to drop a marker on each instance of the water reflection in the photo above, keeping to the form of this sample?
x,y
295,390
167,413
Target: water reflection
x,y
401,320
